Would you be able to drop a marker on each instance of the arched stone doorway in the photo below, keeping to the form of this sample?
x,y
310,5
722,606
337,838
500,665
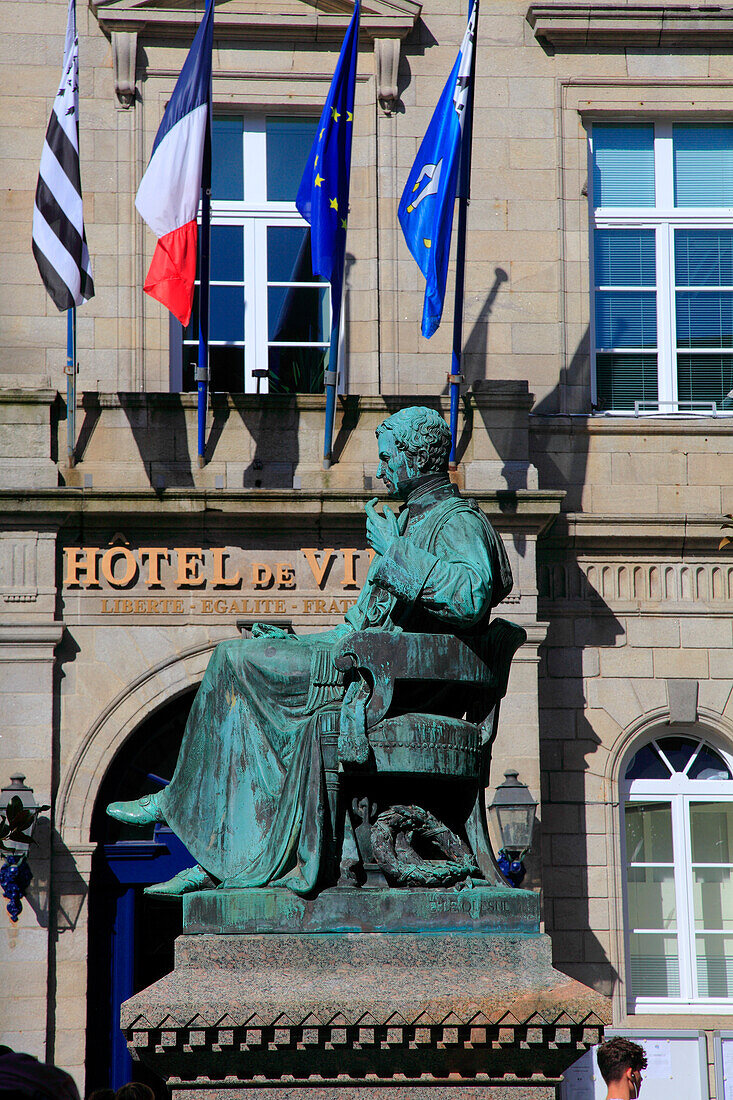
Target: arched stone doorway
x,y
131,936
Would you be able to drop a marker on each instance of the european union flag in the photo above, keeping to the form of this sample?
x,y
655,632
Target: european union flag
x,y
426,207
323,195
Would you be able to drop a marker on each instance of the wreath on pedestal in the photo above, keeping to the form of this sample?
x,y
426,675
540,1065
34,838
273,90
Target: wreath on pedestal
x,y
394,834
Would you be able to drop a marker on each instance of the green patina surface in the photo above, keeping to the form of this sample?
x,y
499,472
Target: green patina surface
x,y
294,744
273,910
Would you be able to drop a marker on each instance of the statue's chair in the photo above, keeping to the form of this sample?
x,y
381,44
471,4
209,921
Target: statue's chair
x,y
425,771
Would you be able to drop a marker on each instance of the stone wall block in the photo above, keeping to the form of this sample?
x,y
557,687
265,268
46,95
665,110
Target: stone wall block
x,y
650,632
721,664
688,663
626,662
706,633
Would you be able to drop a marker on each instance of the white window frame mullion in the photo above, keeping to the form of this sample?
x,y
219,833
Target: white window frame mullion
x,y
683,890
255,199
666,331
592,280
663,166
252,293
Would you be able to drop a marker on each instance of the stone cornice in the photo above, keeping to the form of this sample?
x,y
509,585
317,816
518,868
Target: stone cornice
x,y
618,23
667,534
526,510
317,21
28,397
631,425
581,24
34,641
494,395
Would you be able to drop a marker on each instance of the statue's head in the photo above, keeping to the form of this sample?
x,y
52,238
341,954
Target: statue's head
x,y
412,443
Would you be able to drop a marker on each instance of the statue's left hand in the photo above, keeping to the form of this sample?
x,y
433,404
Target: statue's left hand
x,y
381,531
268,630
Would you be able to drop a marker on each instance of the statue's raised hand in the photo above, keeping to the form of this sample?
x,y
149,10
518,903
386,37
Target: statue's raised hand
x,y
381,531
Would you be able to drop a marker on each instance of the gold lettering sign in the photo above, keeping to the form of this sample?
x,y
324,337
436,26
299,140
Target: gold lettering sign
x,y
192,567
225,605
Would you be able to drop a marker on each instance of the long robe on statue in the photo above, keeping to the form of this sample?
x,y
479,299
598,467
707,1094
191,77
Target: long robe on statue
x,y
248,794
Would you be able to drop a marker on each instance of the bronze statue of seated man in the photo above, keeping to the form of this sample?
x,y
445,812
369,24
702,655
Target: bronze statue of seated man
x,y
248,797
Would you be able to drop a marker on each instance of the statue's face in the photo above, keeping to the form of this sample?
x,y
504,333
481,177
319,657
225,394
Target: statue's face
x,y
396,469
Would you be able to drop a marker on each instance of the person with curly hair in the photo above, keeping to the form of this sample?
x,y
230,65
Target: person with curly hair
x,y
247,797
621,1062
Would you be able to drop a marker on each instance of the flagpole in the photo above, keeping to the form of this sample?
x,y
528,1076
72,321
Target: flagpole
x,y
71,384
202,370
464,183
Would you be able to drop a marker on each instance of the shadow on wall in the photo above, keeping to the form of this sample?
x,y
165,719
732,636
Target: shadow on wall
x,y
574,840
476,346
575,852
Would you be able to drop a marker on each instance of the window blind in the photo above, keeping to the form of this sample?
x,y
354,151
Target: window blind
x,y
623,164
626,319
703,164
705,378
623,379
703,257
624,257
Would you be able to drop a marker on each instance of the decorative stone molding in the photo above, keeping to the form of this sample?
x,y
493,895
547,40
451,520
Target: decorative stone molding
x,y
26,566
387,63
683,697
197,1037
585,24
155,19
669,586
32,641
124,59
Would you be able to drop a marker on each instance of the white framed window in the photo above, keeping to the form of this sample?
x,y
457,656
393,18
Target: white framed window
x,y
661,252
270,317
677,838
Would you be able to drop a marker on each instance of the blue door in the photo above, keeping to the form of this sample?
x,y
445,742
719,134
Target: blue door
x,y
131,936
143,929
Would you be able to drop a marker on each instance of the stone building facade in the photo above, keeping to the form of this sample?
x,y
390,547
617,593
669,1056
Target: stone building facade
x,y
608,488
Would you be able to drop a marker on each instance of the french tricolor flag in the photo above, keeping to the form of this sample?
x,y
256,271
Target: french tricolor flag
x,y
168,195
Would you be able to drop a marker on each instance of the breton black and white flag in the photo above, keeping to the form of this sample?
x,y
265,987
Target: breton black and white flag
x,y
59,241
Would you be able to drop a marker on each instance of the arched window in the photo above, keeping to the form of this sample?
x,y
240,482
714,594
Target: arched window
x,y
677,804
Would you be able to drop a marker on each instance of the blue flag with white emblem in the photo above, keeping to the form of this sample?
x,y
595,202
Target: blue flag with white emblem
x,y
323,195
426,207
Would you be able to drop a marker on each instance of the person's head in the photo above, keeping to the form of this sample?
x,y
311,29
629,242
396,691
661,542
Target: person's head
x,y
135,1090
621,1062
412,442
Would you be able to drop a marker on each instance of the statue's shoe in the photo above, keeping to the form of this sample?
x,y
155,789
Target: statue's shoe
x,y
142,811
185,882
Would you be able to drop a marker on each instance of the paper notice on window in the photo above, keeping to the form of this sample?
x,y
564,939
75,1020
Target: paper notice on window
x,y
577,1084
727,1048
658,1058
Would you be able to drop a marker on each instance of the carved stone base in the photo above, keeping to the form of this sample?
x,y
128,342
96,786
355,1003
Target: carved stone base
x,y
366,1016
267,910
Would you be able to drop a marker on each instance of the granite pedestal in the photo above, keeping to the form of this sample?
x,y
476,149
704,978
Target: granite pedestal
x,y
357,1004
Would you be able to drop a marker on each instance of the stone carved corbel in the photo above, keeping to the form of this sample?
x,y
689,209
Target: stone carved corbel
x,y
124,57
387,62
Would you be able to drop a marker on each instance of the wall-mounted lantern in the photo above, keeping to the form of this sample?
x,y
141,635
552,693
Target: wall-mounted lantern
x,y
18,814
514,811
